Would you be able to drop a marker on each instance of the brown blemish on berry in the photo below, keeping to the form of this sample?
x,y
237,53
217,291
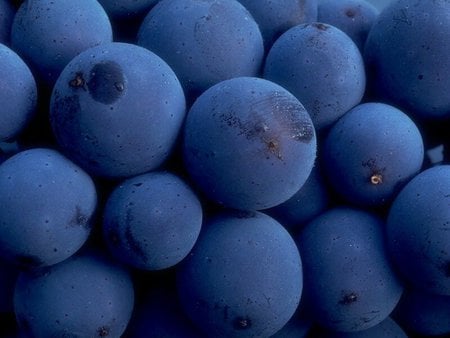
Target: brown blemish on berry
x,y
103,331
350,13
320,26
348,298
242,323
79,218
78,81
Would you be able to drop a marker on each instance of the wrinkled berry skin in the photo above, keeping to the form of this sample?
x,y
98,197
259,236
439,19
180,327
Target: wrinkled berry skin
x,y
322,67
248,144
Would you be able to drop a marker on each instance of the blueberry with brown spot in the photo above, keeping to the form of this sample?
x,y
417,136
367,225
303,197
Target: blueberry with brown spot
x,y
46,202
353,17
263,139
120,90
152,221
371,153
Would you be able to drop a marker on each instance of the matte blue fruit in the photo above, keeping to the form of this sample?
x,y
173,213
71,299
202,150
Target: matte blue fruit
x,y
248,143
388,328
310,201
371,152
299,326
152,221
424,314
276,17
243,277
407,57
418,231
18,94
48,33
205,42
354,17
46,206
117,110
322,67
349,282
85,296
7,13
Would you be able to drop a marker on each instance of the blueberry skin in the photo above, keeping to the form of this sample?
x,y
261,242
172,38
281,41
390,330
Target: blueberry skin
x,y
18,94
310,201
349,282
46,206
276,17
388,328
117,110
322,67
406,54
248,144
299,326
48,33
371,152
152,221
126,8
418,231
87,295
243,277
7,13
424,314
353,17
205,42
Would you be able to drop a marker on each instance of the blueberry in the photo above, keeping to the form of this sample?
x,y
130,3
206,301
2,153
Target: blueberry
x,y
87,295
248,143
152,221
349,281
322,67
371,152
276,17
407,57
117,110
48,34
205,42
46,208
243,277
18,94
353,17
418,233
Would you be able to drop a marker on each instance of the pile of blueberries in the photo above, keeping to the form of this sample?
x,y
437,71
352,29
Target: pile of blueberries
x,y
224,168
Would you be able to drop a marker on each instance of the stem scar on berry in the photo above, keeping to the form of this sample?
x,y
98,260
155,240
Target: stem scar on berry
x,y
242,323
376,179
78,81
348,298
